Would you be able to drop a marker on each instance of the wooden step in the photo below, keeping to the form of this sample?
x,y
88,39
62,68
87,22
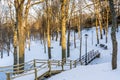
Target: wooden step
x,y
46,75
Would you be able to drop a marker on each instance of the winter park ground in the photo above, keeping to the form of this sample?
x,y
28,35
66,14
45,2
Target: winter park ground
x,y
99,69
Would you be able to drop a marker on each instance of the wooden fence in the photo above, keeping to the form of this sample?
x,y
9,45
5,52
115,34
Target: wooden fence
x,y
37,65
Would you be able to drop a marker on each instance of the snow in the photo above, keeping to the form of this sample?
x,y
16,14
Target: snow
x,y
95,72
99,69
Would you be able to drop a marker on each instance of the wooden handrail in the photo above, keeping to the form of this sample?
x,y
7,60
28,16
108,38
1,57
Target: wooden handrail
x,y
40,64
16,64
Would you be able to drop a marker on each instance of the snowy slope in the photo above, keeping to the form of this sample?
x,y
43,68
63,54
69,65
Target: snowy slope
x,y
92,72
101,70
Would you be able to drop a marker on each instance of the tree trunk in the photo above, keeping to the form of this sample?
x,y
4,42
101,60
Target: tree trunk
x,y
97,31
48,30
98,16
80,30
60,38
1,53
113,35
63,20
107,22
44,38
8,46
80,44
56,36
20,24
15,58
80,37
15,44
74,40
100,23
21,46
68,41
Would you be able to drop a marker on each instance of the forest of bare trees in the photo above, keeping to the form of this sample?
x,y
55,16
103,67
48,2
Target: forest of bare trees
x,y
24,20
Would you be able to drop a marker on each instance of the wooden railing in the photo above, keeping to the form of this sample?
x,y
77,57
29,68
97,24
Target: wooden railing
x,y
34,66
90,56
37,65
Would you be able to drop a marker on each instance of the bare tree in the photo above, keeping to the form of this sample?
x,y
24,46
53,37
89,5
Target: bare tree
x,y
21,21
63,26
69,26
107,19
113,34
48,28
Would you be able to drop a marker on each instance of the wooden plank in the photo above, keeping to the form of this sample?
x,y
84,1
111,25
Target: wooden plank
x,y
44,74
47,74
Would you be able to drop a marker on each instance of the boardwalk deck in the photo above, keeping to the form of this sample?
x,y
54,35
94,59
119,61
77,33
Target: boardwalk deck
x,y
39,68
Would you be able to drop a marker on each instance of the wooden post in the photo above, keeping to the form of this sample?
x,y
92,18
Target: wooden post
x,y
49,66
62,65
92,55
75,63
98,55
8,76
58,63
88,57
70,64
35,69
2,54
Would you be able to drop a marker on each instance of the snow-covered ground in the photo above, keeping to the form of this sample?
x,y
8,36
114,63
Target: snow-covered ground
x,y
91,72
99,69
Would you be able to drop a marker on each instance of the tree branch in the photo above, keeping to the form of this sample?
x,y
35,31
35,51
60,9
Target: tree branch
x,y
38,2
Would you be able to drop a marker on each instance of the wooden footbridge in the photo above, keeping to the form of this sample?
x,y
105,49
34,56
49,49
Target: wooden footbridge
x,y
38,69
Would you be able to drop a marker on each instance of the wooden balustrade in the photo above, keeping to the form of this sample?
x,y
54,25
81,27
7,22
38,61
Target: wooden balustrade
x,y
38,64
